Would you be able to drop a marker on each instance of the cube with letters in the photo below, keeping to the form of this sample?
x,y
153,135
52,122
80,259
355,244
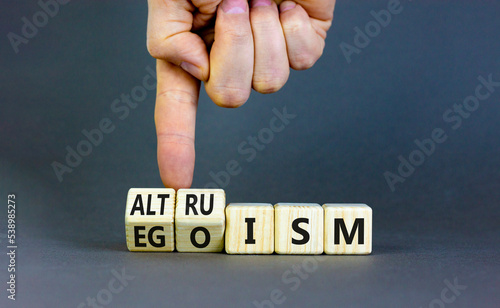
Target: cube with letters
x,y
149,219
298,228
200,220
250,228
348,228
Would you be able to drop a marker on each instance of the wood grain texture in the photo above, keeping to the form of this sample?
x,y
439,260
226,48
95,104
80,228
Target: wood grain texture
x,y
244,217
149,214
200,220
310,216
356,237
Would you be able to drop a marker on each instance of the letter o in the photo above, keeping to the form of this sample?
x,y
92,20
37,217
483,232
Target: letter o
x,y
416,158
43,22
436,302
139,97
372,25
193,237
101,300
80,148
269,133
475,103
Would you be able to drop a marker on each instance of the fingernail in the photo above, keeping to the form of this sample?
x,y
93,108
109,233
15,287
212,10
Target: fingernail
x,y
234,6
256,3
287,5
191,69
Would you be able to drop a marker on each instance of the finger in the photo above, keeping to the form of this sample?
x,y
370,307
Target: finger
x,y
169,36
175,118
205,12
304,44
208,37
231,57
318,9
271,68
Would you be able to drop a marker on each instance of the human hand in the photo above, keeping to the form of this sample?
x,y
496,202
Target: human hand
x,y
253,48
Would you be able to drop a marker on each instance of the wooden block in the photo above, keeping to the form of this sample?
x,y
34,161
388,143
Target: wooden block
x,y
298,228
250,228
149,219
200,220
348,228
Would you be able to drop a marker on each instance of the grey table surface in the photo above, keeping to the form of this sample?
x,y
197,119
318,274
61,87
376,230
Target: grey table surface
x,y
436,236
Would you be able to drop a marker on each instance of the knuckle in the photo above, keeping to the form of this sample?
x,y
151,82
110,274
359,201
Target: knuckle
x,y
178,96
264,19
269,84
175,138
153,49
295,26
206,6
228,97
238,35
303,60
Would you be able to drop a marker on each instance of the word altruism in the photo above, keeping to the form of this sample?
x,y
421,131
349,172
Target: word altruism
x,y
198,220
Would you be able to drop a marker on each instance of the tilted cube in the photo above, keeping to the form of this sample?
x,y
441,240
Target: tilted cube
x,y
200,220
149,219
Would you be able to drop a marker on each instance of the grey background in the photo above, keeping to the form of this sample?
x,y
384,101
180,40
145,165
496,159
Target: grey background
x,y
353,121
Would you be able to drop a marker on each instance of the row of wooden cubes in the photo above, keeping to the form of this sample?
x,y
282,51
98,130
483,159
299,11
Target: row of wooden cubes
x,y
203,223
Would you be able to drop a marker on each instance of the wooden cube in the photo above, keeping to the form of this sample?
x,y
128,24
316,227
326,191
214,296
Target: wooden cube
x,y
348,228
200,220
298,228
250,228
149,219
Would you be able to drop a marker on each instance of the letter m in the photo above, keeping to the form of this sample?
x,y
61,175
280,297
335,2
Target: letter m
x,y
359,223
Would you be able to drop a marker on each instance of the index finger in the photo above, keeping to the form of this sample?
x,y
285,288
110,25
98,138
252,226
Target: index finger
x,y
175,119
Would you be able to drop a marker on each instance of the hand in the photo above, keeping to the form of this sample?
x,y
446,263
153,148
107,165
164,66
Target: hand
x,y
252,48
